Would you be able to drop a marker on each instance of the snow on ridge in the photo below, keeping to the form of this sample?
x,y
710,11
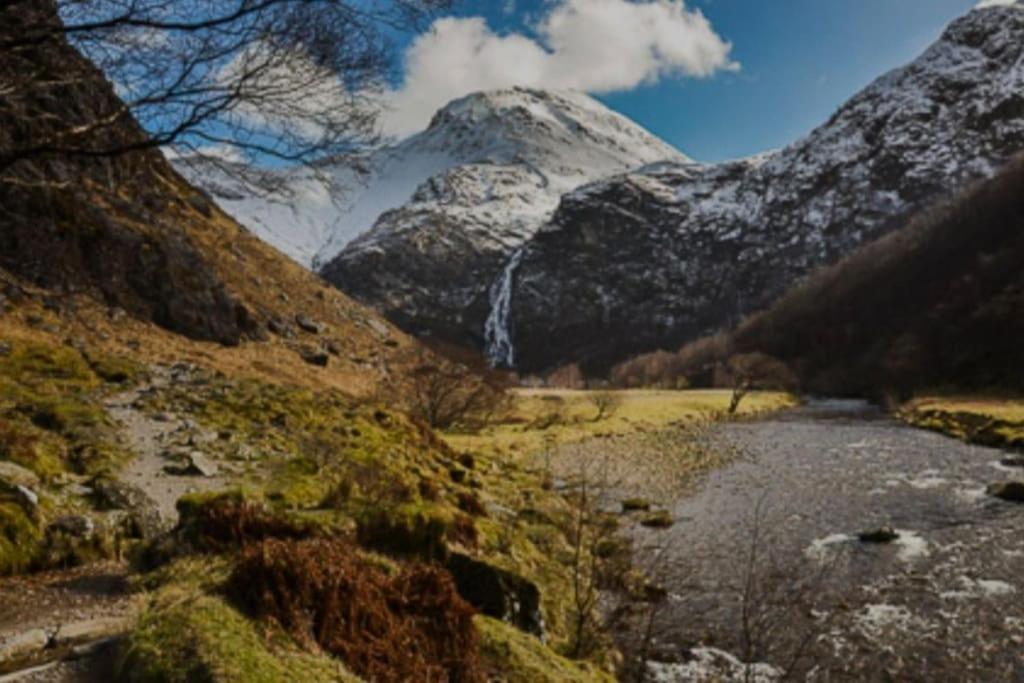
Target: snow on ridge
x,y
525,147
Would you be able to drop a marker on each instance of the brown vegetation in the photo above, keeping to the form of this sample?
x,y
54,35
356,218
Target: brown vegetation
x,y
387,628
449,387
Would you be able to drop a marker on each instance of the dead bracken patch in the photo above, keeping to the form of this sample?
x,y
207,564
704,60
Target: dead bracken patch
x,y
227,521
410,626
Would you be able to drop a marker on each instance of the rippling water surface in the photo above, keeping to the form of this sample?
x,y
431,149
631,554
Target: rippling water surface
x,y
764,561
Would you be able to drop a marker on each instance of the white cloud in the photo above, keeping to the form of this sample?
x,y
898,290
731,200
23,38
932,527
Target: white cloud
x,y
597,46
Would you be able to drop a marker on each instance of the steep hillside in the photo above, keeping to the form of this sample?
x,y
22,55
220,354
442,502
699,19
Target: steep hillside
x,y
938,304
656,257
100,237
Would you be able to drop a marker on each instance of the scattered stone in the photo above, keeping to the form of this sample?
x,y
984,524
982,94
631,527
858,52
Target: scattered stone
x,y
5,349
457,474
1013,461
307,324
1012,491
333,347
498,593
199,464
380,328
316,357
657,520
27,498
883,534
19,645
163,417
143,512
79,526
467,460
90,629
280,328
16,475
636,505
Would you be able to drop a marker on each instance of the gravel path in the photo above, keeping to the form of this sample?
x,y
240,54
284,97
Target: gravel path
x,y
941,602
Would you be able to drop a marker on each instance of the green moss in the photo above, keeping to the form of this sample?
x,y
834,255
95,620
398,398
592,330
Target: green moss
x,y
520,658
51,419
19,539
407,531
115,369
187,636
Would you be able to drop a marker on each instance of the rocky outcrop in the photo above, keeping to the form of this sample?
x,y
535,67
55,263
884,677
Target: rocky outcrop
x,y
657,257
64,221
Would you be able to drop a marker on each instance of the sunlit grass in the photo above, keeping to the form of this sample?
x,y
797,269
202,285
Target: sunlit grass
x,y
541,418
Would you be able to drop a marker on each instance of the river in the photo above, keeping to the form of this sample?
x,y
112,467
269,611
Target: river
x,y
764,560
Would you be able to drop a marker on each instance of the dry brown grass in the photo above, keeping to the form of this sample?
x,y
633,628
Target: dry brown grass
x,y
412,626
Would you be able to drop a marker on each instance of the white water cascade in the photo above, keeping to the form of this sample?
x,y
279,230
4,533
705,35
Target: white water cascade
x,y
497,335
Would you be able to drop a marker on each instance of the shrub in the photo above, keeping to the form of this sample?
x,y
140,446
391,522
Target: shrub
x,y
412,626
567,377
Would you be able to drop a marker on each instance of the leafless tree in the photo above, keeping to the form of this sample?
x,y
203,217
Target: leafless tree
x,y
447,392
606,402
750,371
295,81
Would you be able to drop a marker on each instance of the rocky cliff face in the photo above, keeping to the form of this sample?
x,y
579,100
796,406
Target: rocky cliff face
x,y
658,256
431,264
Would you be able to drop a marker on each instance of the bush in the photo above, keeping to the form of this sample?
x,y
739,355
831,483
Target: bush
x,y
447,387
412,626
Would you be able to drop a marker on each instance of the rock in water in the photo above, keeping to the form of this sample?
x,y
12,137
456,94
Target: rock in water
x,y
883,534
1011,491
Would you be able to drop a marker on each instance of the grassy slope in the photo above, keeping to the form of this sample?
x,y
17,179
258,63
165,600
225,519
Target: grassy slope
x,y
988,420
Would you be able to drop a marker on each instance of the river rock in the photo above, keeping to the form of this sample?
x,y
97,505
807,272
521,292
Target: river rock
x,y
1012,491
498,593
883,534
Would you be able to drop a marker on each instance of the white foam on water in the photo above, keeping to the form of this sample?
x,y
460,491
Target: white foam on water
x,y
712,664
820,547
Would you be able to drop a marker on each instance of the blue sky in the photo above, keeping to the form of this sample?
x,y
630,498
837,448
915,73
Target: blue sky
x,y
798,61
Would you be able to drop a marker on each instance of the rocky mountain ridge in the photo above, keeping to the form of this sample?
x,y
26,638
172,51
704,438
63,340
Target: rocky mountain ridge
x,y
659,256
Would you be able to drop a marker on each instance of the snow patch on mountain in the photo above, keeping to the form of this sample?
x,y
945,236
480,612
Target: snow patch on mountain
x,y
504,156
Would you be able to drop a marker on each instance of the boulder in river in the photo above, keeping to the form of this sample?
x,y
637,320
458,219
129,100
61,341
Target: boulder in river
x,y
1012,491
883,534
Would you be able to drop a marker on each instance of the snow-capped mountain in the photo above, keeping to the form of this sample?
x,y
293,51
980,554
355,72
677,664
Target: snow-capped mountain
x,y
511,156
658,256
501,158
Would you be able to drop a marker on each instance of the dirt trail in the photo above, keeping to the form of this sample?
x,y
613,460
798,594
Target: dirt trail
x,y
161,443
58,627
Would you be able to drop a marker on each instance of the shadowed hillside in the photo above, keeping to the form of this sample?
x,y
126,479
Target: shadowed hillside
x,y
938,304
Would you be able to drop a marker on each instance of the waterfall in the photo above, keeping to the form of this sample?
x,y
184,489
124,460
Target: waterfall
x,y
497,335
